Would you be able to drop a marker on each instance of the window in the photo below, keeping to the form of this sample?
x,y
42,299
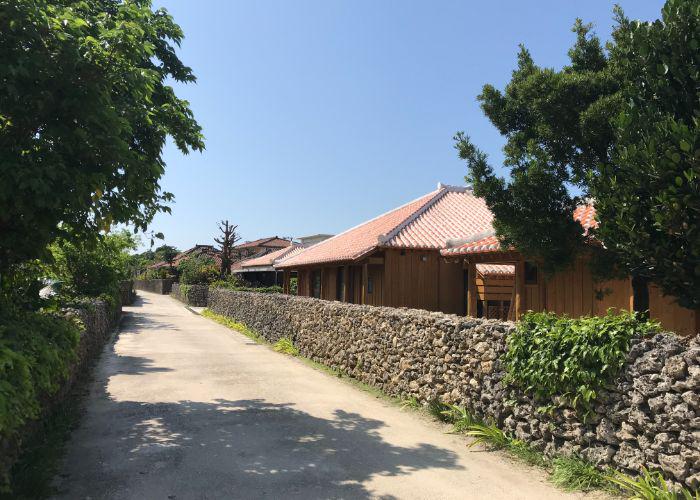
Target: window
x,y
340,285
316,284
370,284
530,273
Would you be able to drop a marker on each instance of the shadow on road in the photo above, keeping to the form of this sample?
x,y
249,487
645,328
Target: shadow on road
x,y
246,449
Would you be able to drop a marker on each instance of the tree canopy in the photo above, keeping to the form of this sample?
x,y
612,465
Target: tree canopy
x,y
85,110
615,127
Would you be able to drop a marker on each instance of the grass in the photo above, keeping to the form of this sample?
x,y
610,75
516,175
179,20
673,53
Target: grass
x,y
438,410
285,346
411,403
234,325
650,485
574,473
459,417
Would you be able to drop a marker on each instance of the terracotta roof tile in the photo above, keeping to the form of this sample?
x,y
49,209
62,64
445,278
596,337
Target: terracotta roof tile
x,y
585,214
496,269
272,241
268,258
359,240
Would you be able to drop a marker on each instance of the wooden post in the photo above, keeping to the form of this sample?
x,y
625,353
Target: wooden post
x,y
285,281
365,276
471,289
346,284
519,288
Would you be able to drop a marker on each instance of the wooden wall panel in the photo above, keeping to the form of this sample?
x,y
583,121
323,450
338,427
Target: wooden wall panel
x,y
451,296
672,316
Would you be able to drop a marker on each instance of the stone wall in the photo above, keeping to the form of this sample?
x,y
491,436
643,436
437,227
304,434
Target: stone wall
x,y
161,286
126,292
193,295
650,417
100,321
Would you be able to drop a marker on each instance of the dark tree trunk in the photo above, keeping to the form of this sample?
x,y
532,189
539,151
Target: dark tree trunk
x,y
640,295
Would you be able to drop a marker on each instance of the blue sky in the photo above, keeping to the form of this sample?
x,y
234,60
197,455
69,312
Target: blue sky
x,y
321,114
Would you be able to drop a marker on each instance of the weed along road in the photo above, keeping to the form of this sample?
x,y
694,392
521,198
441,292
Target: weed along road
x,y
182,407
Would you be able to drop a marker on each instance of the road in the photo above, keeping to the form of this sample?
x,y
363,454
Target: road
x,y
183,408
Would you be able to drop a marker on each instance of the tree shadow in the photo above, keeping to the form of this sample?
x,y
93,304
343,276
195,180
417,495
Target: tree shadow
x,y
242,449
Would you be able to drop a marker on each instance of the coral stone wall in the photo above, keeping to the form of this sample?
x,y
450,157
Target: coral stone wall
x,y
650,417
193,295
161,286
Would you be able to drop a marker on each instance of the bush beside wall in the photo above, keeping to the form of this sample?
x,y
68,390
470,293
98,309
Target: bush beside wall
x,y
193,295
161,286
98,319
650,416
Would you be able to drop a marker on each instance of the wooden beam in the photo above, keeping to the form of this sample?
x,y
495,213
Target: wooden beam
x,y
519,288
376,260
365,276
285,281
471,289
346,284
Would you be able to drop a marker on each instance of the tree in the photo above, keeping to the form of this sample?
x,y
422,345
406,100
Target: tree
x,y
85,110
648,194
166,253
567,132
228,240
92,269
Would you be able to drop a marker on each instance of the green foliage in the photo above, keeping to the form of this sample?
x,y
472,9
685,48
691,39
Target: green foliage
x,y
574,473
293,285
198,270
487,434
157,274
526,453
459,417
552,355
234,325
36,351
621,128
165,253
649,486
411,403
648,194
557,130
232,282
437,409
92,268
285,345
86,107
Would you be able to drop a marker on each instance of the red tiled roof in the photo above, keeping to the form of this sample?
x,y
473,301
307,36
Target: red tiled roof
x,y
272,241
268,258
425,223
585,214
496,269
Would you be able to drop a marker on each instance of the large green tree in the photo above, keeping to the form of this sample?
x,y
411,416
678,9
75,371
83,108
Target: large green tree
x,y
586,133
85,110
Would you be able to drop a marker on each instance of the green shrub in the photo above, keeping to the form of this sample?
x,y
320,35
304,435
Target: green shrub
x,y
36,351
240,286
459,417
551,355
489,435
285,345
438,409
91,268
198,270
649,486
574,473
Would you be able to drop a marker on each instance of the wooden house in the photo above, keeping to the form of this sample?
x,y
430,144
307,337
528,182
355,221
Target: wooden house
x,y
260,270
394,259
573,291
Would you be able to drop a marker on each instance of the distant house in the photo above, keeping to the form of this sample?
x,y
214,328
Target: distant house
x,y
260,270
259,247
394,259
199,251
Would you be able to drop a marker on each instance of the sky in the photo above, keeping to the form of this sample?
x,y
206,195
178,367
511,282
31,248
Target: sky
x,y
321,114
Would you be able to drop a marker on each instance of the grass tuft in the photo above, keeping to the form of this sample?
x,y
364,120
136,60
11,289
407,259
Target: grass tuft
x,y
285,346
437,409
650,485
574,473
411,403
460,418
523,451
234,325
489,435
